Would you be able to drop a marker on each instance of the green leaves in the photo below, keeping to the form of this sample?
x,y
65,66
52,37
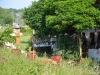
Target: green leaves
x,y
79,14
5,16
61,15
5,35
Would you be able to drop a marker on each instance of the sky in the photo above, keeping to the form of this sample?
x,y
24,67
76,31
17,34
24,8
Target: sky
x,y
17,4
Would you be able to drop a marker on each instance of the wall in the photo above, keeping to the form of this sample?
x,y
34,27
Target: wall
x,y
87,34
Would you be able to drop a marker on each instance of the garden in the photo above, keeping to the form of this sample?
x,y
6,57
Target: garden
x,y
12,64
61,18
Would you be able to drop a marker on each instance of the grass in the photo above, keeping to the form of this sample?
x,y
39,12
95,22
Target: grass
x,y
25,37
21,65
24,41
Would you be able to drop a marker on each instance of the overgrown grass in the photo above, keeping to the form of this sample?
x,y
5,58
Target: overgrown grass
x,y
21,65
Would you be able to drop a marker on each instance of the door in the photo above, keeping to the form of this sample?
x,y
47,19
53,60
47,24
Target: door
x,y
92,38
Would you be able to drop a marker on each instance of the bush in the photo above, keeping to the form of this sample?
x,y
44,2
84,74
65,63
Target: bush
x,y
69,47
5,35
22,29
26,30
86,63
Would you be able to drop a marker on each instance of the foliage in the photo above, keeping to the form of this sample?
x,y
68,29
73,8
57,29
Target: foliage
x,y
26,30
56,16
5,16
86,62
97,4
15,10
17,15
22,29
5,35
68,46
25,42
77,14
26,38
34,16
21,65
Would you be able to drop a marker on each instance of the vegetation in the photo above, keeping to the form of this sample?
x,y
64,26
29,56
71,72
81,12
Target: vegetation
x,y
34,16
5,34
12,64
68,46
15,10
61,15
5,16
51,17
26,30
8,16
17,15
21,65
25,42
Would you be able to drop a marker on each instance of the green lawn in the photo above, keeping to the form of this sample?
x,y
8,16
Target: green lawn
x,y
24,41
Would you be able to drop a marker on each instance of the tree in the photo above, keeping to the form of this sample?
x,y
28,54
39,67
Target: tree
x,y
34,16
5,16
61,15
78,14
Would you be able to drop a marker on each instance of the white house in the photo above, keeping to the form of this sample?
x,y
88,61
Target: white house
x,y
91,36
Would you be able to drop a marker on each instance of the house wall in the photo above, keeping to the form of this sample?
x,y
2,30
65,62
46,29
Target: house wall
x,y
87,34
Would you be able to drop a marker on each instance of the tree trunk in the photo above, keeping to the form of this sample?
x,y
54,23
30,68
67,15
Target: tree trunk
x,y
80,45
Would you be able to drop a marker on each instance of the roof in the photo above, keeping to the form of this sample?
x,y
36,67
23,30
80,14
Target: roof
x,y
16,25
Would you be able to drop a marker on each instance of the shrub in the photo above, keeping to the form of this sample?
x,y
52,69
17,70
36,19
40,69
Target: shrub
x,y
26,30
5,35
22,29
86,63
69,47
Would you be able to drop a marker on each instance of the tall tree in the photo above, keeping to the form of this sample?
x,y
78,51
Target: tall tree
x,y
78,14
60,15
35,17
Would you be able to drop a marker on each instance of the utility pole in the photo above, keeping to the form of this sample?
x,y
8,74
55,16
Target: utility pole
x,y
18,18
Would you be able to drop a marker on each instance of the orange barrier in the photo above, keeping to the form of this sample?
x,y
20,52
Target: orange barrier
x,y
56,58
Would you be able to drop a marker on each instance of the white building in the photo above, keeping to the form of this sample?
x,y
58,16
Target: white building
x,y
91,36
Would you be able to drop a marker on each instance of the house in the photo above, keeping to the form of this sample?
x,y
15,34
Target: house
x,y
91,36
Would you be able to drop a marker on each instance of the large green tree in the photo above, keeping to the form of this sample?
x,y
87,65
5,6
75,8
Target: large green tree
x,y
77,14
35,17
61,15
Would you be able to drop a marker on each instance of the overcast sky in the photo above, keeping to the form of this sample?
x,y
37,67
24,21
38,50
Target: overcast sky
x,y
17,4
